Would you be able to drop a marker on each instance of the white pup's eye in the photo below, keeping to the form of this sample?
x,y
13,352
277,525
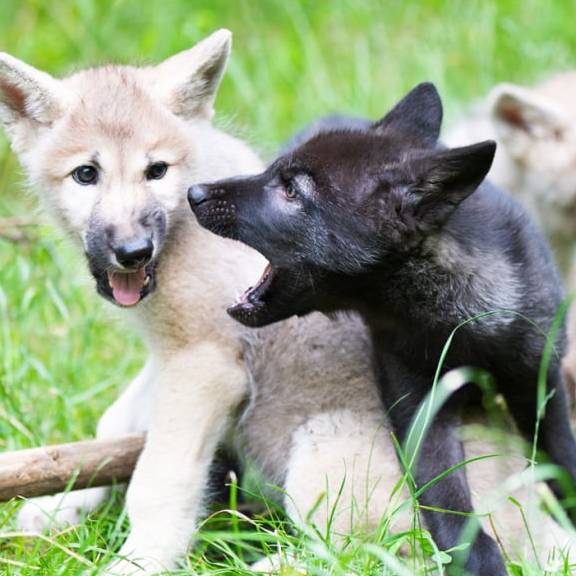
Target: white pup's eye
x,y
85,175
156,171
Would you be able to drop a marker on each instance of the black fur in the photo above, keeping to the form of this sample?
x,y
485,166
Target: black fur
x,y
385,221
224,464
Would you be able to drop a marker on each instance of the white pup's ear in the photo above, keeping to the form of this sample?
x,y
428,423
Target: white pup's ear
x,y
521,116
27,95
188,81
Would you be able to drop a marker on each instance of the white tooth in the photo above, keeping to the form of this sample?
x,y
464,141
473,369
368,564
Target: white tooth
x,y
146,281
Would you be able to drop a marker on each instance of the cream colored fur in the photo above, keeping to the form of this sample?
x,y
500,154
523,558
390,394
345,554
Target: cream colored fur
x,y
535,127
297,398
360,484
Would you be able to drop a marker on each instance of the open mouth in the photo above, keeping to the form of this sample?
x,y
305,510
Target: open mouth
x,y
129,287
281,292
253,297
276,296
126,288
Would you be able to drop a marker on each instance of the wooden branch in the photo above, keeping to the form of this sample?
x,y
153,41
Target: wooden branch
x,y
47,470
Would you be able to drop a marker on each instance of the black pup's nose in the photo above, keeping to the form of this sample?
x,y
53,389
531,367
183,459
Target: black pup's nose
x,y
134,253
197,194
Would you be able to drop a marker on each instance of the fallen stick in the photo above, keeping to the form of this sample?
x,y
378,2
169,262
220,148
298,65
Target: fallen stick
x,y
51,469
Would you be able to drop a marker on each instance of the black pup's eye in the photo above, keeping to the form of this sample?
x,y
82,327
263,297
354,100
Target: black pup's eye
x,y
85,175
291,190
156,171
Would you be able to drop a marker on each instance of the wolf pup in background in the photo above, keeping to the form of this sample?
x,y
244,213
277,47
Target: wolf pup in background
x,y
386,222
535,127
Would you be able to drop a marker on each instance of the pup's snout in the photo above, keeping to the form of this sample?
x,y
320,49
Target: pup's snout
x,y
135,253
197,194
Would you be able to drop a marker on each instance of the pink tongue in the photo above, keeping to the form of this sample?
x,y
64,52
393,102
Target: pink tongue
x,y
126,287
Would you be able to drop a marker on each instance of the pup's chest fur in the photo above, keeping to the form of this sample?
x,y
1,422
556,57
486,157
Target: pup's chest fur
x,y
489,264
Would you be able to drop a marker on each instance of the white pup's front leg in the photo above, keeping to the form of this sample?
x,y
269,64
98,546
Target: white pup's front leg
x,y
197,392
129,413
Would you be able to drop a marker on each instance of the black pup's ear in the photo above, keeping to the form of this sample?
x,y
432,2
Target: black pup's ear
x,y
417,118
444,178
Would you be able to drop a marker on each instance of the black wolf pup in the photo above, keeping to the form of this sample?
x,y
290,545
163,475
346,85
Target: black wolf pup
x,y
385,221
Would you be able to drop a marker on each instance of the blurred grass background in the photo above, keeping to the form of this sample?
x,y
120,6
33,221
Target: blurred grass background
x,y
62,359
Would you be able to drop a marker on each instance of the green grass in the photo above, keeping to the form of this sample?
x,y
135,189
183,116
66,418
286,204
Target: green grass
x,y
62,359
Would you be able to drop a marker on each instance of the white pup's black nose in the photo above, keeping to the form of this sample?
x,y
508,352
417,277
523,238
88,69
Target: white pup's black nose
x,y
134,253
197,194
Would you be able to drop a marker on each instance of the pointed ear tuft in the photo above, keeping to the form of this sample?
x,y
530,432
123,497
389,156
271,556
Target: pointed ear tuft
x,y
27,94
445,178
188,82
521,116
417,117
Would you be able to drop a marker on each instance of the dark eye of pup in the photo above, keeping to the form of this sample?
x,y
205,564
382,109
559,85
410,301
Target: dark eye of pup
x,y
85,175
291,189
156,171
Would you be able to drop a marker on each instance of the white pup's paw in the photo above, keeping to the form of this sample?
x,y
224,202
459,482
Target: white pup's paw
x,y
39,514
139,559
275,563
137,567
267,565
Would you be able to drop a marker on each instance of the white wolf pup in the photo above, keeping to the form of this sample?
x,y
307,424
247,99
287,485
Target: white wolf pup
x,y
535,127
111,152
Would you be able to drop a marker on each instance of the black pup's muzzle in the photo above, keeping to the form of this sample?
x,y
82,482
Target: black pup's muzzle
x,y
214,209
197,194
